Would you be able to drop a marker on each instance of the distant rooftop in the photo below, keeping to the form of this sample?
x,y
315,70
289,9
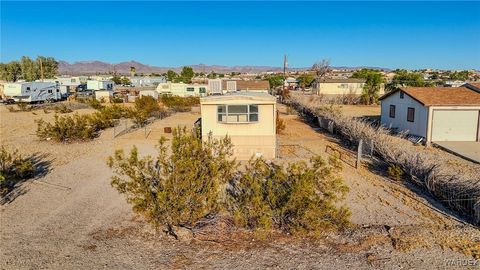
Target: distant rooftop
x,y
347,80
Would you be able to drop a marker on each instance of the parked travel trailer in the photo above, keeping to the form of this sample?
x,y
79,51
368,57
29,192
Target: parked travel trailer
x,y
100,85
32,91
182,89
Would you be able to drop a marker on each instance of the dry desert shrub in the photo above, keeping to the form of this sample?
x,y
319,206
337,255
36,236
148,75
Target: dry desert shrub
x,y
13,167
459,185
299,199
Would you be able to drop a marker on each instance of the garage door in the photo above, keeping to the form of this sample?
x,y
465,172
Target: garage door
x,y
455,125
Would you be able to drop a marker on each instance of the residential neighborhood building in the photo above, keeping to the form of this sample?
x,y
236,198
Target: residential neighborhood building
x,y
434,113
245,85
248,118
100,85
338,87
182,89
142,81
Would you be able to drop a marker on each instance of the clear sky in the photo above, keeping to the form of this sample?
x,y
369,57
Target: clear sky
x,y
385,34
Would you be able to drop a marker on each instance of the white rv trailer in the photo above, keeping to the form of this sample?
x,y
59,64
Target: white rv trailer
x,y
32,91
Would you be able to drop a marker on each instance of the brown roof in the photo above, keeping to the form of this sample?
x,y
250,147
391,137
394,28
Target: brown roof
x,y
248,85
429,96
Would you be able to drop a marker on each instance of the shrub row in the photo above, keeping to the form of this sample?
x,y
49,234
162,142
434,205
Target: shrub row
x,y
199,179
460,185
78,127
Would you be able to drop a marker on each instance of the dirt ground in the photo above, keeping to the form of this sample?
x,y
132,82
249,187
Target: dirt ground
x,y
72,218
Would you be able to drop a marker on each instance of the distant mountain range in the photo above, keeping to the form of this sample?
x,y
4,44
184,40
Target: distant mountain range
x,y
98,67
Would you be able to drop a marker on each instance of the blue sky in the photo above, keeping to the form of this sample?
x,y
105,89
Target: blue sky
x,y
442,35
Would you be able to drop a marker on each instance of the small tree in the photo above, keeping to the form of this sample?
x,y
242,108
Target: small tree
x,y
179,189
374,81
321,69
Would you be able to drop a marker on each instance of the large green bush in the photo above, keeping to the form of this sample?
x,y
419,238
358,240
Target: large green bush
x,y
300,199
13,167
179,189
67,128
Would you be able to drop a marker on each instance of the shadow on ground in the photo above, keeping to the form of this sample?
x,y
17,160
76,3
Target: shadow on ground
x,y
16,188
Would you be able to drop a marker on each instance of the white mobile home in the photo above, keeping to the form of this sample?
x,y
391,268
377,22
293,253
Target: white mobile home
x,y
248,118
182,89
437,114
32,91
100,85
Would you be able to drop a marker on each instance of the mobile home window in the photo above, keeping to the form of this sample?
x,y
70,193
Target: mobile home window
x,y
410,114
190,89
237,113
392,111
203,90
49,91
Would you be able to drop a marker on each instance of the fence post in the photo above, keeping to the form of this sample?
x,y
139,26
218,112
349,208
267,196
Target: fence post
x,y
476,212
359,153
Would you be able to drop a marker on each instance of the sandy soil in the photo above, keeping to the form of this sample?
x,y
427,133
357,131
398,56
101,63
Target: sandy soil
x,y
72,218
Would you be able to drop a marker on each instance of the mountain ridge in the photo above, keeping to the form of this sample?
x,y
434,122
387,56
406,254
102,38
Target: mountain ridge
x,y
90,67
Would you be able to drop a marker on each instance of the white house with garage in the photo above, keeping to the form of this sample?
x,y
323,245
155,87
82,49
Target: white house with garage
x,y
437,114
248,118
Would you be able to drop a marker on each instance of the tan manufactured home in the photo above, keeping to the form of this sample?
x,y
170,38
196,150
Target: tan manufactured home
x,y
332,88
248,118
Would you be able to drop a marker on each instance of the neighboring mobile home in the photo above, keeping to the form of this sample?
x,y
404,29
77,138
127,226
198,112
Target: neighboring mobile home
x,y
182,89
248,118
437,114
331,88
96,85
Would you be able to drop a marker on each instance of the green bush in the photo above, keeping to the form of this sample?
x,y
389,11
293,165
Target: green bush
x,y
67,128
94,103
13,167
175,190
62,108
395,172
179,104
147,104
300,199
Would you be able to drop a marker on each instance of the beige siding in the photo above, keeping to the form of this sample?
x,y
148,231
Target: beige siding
x,y
248,139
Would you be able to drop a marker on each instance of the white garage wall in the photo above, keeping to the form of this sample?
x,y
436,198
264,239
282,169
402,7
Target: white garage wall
x,y
418,127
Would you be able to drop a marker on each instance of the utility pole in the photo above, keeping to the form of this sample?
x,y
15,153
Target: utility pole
x,y
285,65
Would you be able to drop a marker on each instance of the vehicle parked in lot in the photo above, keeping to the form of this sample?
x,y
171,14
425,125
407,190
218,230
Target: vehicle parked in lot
x,y
32,91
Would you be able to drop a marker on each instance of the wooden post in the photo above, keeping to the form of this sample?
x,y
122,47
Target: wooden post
x,y
359,153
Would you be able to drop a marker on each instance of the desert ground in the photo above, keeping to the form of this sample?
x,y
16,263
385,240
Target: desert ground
x,y
70,217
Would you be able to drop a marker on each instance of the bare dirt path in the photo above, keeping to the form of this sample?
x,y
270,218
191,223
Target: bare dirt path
x,y
72,218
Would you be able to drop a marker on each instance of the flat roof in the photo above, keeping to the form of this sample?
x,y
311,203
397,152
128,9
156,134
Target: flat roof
x,y
240,95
